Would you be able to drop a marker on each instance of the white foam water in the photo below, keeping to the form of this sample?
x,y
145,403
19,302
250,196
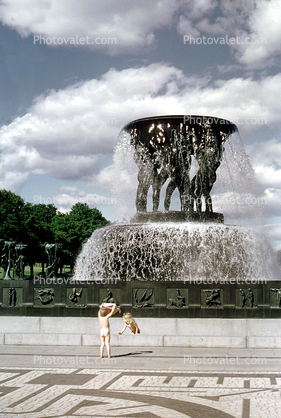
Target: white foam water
x,y
176,251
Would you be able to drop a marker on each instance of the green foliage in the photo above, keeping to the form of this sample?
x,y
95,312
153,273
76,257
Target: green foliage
x,y
11,216
37,221
74,228
38,224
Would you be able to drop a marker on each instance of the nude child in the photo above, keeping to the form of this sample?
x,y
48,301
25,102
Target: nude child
x,y
105,312
130,323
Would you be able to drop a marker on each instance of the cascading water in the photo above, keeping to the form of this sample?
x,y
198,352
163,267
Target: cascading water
x,y
160,151
180,251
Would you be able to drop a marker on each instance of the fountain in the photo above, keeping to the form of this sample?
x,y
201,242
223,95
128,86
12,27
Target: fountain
x,y
187,275
187,245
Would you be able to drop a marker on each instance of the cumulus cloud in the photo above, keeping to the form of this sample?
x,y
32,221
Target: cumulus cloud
x,y
266,157
274,232
70,195
256,26
196,9
185,26
125,26
65,132
129,23
265,29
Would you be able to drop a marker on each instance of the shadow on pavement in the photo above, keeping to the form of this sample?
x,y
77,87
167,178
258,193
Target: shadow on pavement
x,y
132,354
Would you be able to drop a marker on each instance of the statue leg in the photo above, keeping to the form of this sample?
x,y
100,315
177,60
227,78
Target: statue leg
x,y
158,181
184,189
199,204
145,181
198,191
169,191
208,203
156,187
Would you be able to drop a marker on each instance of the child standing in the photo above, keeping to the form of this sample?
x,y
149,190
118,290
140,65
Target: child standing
x,y
105,312
131,323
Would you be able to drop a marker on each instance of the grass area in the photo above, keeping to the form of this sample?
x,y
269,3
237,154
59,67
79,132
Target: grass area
x,y
37,271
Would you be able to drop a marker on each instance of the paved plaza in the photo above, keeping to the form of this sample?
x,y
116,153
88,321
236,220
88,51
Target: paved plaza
x,y
140,382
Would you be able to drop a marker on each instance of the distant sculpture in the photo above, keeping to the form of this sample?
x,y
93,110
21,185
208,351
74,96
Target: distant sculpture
x,y
278,295
164,147
109,298
20,261
247,300
250,298
45,296
179,301
243,298
75,295
213,300
54,257
2,245
7,259
145,300
12,296
2,255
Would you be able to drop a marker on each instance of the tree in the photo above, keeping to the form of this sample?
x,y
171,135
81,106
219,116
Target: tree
x,y
73,229
11,217
26,223
39,224
37,221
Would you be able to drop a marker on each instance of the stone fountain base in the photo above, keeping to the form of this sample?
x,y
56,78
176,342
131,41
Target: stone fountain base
x,y
214,314
210,299
155,332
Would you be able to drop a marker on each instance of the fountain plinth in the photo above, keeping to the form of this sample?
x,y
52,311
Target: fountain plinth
x,y
177,216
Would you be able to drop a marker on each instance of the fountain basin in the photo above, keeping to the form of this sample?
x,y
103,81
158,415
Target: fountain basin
x,y
176,251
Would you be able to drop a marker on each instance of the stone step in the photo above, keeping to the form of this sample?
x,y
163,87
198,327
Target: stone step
x,y
155,332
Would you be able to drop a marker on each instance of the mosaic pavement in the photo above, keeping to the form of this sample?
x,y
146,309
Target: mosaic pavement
x,y
56,392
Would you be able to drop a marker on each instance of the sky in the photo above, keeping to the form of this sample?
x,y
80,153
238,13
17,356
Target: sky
x,y
74,73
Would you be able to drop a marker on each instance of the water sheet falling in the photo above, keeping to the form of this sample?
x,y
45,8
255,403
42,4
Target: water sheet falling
x,y
180,251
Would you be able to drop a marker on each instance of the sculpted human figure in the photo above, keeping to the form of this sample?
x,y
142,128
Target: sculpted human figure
x,y
20,260
12,296
214,297
250,298
243,297
54,255
8,259
164,147
75,295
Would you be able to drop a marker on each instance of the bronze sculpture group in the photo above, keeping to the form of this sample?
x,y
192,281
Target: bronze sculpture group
x,y
164,151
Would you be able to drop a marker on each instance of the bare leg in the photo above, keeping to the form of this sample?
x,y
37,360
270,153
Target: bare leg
x,y
107,343
102,339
